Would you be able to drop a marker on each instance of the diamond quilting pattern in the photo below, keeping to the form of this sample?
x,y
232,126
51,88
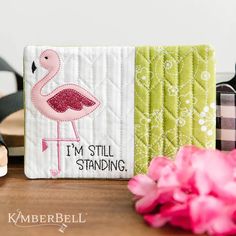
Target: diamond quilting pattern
x,y
174,100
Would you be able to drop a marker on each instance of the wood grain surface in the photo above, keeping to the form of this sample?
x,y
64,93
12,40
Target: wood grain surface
x,y
106,206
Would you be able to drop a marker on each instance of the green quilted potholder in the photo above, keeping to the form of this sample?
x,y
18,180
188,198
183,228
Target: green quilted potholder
x,y
174,101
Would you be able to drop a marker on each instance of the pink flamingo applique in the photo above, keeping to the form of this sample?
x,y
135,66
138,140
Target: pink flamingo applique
x,y
68,102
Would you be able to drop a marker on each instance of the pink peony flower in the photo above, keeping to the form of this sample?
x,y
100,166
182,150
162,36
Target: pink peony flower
x,y
196,191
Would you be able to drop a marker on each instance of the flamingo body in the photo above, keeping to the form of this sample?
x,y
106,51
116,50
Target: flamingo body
x,y
65,103
68,102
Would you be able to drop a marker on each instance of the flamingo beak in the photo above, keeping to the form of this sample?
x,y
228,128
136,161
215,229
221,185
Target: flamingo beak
x,y
33,67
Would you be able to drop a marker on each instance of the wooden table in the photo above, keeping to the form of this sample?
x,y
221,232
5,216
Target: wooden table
x,y
106,206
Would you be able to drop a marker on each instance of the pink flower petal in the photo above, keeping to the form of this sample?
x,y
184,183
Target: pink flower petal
x,y
203,183
227,192
156,220
153,199
214,164
197,191
223,225
182,220
147,203
180,196
183,157
157,165
203,210
231,157
176,214
168,179
141,185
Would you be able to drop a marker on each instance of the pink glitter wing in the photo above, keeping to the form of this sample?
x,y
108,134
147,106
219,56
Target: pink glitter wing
x,y
69,99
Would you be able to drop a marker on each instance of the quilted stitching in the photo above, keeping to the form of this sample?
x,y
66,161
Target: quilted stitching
x,y
108,73
174,100
174,103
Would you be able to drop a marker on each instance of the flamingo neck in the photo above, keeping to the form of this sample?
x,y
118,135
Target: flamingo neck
x,y
37,89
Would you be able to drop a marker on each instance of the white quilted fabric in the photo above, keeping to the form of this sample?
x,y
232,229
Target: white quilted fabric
x,y
108,74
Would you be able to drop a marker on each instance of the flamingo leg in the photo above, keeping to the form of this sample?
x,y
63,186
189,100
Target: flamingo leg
x,y
58,140
56,172
75,130
58,146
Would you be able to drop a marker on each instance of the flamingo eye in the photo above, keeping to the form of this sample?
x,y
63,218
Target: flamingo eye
x,y
46,58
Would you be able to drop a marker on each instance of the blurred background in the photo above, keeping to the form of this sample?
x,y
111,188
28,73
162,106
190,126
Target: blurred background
x,y
116,22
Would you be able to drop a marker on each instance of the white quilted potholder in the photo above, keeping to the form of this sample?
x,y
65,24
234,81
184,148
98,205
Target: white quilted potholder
x,y
79,112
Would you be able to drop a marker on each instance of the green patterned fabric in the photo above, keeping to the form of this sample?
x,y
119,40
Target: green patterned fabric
x,y
174,101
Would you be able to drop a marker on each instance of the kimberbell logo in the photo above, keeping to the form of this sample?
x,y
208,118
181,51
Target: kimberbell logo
x,y
59,220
